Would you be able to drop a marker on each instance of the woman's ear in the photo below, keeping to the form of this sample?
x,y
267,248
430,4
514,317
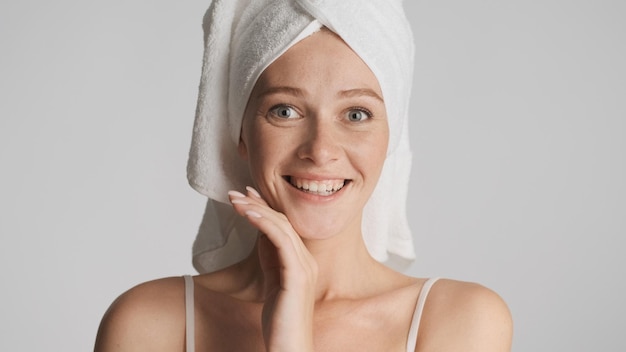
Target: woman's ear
x,y
242,149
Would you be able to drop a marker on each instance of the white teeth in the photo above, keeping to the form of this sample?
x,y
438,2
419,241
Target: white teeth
x,y
322,188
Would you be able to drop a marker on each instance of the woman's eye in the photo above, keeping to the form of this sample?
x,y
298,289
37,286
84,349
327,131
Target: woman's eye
x,y
284,112
358,115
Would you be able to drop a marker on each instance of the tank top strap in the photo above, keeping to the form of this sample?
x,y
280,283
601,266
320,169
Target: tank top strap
x,y
417,315
190,316
190,333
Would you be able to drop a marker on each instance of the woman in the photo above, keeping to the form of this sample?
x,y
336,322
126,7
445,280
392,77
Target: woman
x,y
320,130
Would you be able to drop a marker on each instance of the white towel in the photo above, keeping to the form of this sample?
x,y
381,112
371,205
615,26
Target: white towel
x,y
242,38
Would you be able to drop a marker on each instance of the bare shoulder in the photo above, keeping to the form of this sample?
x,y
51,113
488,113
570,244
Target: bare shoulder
x,y
464,316
148,317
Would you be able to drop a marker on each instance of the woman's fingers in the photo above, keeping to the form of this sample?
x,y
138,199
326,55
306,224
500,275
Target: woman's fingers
x,y
270,222
290,249
254,194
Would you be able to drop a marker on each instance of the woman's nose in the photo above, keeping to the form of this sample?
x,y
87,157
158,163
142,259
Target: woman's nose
x,y
320,143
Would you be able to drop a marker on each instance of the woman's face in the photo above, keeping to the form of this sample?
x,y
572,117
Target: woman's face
x,y
315,136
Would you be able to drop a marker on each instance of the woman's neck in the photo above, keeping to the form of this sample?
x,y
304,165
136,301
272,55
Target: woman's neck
x,y
345,267
345,270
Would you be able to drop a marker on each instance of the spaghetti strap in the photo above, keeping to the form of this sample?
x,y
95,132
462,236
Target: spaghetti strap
x,y
417,315
189,315
190,319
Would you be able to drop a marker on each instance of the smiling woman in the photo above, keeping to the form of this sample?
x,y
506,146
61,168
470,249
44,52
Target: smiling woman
x,y
317,140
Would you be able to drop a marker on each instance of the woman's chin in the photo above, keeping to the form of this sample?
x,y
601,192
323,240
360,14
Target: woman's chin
x,y
319,228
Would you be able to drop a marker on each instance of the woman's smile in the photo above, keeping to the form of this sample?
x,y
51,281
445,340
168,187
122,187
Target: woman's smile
x,y
319,187
315,135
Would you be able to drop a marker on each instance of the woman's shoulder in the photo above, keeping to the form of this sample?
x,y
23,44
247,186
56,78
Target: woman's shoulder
x,y
464,316
149,316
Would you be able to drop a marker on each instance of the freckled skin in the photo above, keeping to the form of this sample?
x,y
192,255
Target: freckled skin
x,y
310,284
337,129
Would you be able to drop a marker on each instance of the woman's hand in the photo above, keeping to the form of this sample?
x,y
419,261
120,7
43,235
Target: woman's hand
x,y
290,274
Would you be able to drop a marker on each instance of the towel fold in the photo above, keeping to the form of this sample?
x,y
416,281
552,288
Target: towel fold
x,y
242,38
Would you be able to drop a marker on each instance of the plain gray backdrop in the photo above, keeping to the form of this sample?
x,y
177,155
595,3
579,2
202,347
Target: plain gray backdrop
x,y
518,126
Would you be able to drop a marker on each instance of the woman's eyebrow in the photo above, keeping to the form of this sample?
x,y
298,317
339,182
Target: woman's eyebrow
x,y
282,89
360,92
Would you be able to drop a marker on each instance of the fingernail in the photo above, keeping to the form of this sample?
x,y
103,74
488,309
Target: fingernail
x,y
236,194
253,191
239,201
253,214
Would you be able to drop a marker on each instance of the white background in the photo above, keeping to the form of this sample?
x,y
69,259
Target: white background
x,y
518,127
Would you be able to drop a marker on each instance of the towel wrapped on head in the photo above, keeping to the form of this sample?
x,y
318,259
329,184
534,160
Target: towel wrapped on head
x,y
242,38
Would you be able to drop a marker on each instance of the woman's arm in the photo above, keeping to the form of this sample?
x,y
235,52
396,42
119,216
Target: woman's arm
x,y
462,316
148,317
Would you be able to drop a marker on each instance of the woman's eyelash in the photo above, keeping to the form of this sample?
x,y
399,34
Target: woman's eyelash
x,y
357,117
353,114
284,111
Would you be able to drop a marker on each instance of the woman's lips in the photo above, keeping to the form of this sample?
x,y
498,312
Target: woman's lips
x,y
317,187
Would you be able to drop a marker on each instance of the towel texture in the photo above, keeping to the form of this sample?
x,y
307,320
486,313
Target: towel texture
x,y
242,38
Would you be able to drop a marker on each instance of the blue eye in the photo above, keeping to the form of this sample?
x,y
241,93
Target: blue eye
x,y
357,115
284,112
